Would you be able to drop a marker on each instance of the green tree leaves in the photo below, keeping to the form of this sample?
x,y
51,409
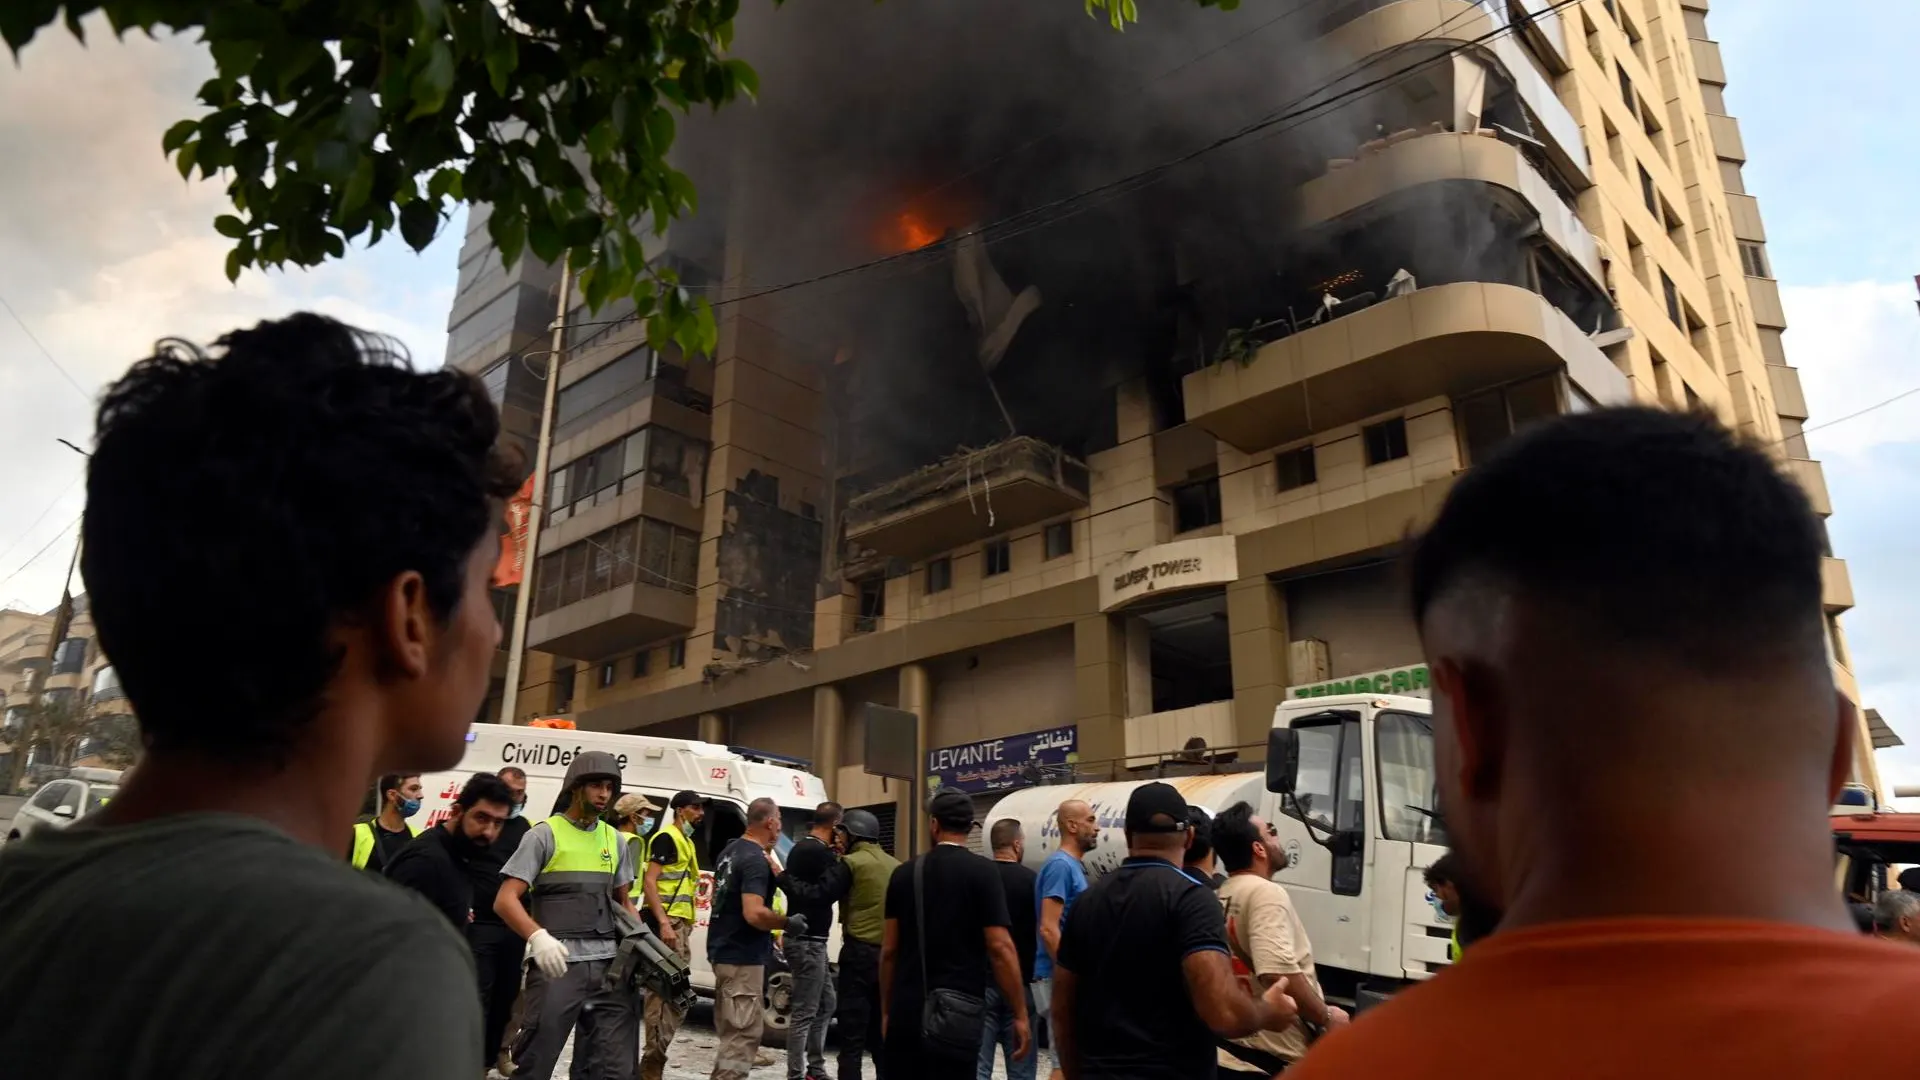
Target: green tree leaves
x,y
347,120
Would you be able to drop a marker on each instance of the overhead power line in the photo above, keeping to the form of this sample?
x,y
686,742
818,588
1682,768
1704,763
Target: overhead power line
x,y
57,365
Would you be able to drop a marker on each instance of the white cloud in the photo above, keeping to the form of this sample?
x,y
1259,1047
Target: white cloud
x,y
1856,345
104,249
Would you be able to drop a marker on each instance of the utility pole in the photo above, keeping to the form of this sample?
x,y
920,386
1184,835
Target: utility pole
x,y
537,513
62,621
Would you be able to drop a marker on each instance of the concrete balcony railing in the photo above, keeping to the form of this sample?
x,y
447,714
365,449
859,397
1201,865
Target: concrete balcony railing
x,y
968,497
1768,312
1706,61
1788,398
1743,212
24,650
608,623
1155,734
1447,340
1812,480
1448,157
1374,29
1836,586
1725,132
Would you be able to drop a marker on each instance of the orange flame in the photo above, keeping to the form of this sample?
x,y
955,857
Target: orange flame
x,y
915,231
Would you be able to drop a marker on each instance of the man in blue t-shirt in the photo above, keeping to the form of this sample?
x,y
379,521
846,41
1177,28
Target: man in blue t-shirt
x,y
1062,879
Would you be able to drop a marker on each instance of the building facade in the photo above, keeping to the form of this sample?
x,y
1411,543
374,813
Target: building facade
x,y
79,674
1537,212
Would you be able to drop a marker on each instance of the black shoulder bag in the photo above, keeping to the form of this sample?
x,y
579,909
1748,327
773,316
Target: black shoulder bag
x,y
950,1021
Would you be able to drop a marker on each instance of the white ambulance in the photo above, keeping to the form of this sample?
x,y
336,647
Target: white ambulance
x,y
657,768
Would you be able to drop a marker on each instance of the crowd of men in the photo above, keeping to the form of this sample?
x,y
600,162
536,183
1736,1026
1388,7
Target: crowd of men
x,y
1637,741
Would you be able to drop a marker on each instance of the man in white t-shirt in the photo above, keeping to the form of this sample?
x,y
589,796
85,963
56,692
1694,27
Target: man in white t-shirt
x,y
1267,941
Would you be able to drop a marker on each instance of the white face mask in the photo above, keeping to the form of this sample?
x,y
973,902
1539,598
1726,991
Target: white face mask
x,y
519,810
646,825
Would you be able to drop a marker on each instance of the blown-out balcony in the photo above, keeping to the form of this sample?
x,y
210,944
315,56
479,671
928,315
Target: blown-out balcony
x,y
968,497
1445,340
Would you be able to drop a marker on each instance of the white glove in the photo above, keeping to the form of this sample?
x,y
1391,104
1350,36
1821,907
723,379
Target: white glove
x,y
548,954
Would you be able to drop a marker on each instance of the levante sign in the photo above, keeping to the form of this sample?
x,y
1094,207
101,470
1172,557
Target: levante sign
x,y
998,764
1409,681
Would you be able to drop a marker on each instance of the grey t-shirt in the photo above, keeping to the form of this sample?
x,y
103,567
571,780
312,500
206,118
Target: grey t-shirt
x,y
217,947
532,854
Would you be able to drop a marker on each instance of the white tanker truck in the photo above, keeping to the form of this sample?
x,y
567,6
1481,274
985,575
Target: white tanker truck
x,y
1349,785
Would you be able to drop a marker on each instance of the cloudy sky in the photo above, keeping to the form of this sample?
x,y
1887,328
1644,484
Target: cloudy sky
x,y
103,249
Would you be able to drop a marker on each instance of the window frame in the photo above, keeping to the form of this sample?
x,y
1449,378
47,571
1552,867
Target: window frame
x,y
943,580
1386,429
1300,454
1001,547
1060,531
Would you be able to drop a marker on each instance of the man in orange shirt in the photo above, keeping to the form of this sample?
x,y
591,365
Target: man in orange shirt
x,y
1638,739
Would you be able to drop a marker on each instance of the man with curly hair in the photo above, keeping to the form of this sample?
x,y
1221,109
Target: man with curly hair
x,y
288,544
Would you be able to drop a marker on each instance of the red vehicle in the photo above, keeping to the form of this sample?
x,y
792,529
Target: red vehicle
x,y
1866,845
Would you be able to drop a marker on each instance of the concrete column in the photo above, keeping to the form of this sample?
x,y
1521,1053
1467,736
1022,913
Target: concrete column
x,y
1257,629
713,728
829,716
1100,687
916,697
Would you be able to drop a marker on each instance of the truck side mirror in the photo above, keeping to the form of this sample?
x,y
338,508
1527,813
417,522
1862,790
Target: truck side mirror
x,y
1283,760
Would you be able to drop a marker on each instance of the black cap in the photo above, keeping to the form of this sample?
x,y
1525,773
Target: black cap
x,y
685,798
1156,808
952,809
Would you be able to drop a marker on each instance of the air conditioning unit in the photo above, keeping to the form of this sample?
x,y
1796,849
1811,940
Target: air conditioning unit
x,y
1307,662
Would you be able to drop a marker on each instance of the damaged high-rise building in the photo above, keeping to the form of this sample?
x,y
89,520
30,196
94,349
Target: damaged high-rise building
x,y
1079,383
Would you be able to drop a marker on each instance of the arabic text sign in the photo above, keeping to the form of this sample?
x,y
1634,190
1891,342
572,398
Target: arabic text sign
x,y
998,764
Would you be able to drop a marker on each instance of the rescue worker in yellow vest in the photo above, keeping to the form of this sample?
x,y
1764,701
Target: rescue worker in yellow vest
x,y
378,838
671,888
573,870
635,815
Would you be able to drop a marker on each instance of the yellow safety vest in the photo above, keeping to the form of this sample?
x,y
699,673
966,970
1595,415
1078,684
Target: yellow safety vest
x,y
363,842
573,893
680,879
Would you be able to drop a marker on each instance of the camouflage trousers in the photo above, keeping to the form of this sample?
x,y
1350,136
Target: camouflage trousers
x,y
663,1020
738,1019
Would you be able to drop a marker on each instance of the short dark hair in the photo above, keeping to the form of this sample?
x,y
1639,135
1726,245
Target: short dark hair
x,y
1910,879
1234,837
275,485
1201,828
1444,871
827,814
514,771
389,782
1005,833
484,787
1659,531
762,809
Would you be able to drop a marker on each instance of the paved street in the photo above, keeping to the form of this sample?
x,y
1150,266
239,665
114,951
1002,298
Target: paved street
x,y
692,1054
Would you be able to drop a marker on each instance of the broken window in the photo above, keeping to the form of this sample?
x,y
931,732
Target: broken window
x,y
1196,505
996,558
940,575
1753,259
563,689
1294,468
677,653
1057,539
1386,441
639,549
873,604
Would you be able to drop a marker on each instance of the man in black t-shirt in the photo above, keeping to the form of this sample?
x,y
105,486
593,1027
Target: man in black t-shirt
x,y
966,940
1144,982
498,952
740,939
435,864
815,879
1021,886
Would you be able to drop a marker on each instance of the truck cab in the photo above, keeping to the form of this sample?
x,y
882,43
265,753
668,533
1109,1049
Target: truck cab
x,y
1351,793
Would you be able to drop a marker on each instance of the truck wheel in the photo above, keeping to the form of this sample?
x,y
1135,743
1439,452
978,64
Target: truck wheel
x,y
778,1005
